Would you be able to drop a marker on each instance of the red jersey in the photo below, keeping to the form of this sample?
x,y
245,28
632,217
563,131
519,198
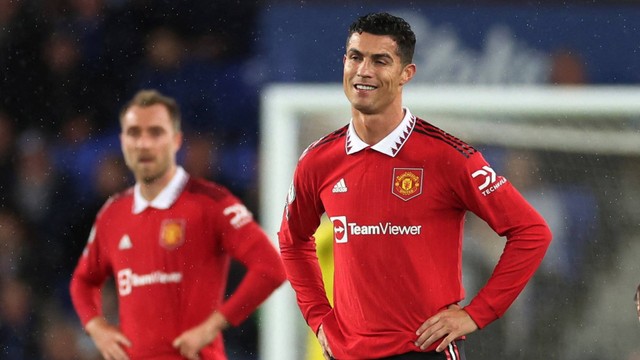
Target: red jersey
x,y
170,259
398,210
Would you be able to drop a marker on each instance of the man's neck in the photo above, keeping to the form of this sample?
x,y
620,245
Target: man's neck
x,y
149,190
372,128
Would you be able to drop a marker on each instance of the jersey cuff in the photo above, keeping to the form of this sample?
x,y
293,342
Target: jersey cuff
x,y
481,312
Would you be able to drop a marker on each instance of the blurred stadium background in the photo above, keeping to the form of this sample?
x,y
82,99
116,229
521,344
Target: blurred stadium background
x,y
68,65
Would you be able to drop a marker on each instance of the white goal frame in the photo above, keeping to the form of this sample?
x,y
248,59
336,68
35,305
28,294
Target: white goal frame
x,y
284,105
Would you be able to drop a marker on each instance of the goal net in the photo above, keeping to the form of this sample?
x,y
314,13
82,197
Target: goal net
x,y
574,153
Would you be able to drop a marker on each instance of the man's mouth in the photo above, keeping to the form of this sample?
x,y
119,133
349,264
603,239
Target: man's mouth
x,y
364,87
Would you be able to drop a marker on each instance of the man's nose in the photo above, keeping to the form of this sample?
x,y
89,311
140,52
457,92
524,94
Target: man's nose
x,y
143,141
365,68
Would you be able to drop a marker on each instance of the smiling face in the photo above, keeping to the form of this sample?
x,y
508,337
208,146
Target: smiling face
x,y
150,143
374,74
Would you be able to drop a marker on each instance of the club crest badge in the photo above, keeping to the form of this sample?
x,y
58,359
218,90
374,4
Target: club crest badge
x,y
172,233
407,183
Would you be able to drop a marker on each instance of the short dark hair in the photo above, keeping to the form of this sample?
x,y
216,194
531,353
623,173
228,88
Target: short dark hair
x,y
146,98
386,24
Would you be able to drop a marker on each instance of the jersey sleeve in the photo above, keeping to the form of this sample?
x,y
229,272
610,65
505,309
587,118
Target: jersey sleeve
x,y
494,199
92,270
246,242
300,220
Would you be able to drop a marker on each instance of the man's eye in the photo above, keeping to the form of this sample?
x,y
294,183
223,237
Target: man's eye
x,y
155,132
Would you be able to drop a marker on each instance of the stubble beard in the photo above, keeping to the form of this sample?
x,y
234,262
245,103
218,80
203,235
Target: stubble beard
x,y
364,106
148,180
148,176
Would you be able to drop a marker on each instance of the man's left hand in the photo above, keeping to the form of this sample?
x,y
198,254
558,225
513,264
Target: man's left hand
x,y
190,342
451,324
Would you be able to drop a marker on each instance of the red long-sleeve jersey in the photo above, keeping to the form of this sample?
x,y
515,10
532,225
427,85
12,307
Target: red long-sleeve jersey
x,y
398,211
170,261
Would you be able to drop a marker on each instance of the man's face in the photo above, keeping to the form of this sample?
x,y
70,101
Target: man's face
x,y
373,72
149,142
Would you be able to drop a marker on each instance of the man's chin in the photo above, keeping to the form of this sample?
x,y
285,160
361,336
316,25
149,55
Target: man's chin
x,y
367,110
148,180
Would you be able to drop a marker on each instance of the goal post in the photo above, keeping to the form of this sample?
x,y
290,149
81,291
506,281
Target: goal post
x,y
588,119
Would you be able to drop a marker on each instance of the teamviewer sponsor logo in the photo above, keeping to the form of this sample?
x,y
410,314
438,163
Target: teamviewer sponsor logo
x,y
342,229
127,280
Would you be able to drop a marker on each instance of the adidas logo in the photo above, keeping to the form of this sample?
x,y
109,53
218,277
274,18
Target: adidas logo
x,y
340,187
125,243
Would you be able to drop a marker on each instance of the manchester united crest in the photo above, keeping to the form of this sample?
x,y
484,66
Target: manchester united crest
x,y
172,233
407,183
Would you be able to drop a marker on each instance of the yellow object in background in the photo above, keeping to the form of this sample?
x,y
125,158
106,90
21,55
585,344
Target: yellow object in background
x,y
324,249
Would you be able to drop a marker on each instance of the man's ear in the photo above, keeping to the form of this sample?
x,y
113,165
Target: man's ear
x,y
178,139
407,73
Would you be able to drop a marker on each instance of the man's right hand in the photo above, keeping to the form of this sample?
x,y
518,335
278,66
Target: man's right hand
x,y
108,339
324,344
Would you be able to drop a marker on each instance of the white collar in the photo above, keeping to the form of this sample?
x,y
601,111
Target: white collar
x,y
167,196
390,145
